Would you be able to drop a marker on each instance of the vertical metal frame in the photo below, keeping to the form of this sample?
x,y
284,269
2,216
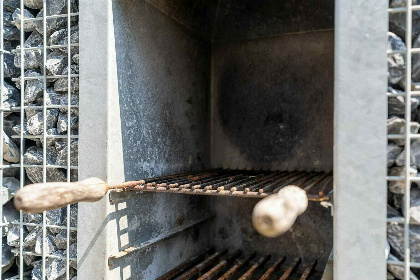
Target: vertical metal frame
x,y
360,110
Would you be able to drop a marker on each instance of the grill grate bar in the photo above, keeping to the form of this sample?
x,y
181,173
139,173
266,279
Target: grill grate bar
x,y
291,269
211,265
272,268
202,265
308,271
238,183
247,275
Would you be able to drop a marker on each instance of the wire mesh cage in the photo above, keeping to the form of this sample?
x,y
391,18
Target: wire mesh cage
x,y
39,119
403,254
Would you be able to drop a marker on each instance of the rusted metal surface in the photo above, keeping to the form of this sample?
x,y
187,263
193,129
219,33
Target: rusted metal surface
x,y
201,266
185,265
308,271
286,275
316,182
325,185
210,265
219,267
247,275
236,267
238,183
272,268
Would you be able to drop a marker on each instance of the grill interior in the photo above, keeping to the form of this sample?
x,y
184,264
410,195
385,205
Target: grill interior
x,y
229,101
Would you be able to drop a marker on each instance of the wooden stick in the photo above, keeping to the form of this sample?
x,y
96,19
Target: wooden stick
x,y
37,198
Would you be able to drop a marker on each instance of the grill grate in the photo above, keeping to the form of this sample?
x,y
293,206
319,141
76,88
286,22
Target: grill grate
x,y
237,265
240,183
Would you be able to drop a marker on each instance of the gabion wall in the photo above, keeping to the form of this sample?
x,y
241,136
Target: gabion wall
x,y
30,147
396,152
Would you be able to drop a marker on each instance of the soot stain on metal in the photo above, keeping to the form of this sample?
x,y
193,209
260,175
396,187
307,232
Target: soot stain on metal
x,y
256,116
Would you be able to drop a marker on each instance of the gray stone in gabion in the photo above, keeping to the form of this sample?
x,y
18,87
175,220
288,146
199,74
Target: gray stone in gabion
x,y
33,59
55,7
10,150
398,187
33,88
397,21
10,70
8,104
396,240
63,153
10,214
35,124
28,26
396,62
74,101
414,205
9,91
9,122
34,40
52,24
398,271
55,268
37,270
393,151
32,219
34,4
59,37
396,125
389,276
34,155
7,257
28,259
9,188
30,239
13,236
415,155
62,122
29,113
49,244
55,218
56,62
11,5
75,58
73,216
74,177
17,129
52,98
11,33
60,241
11,171
392,212
50,141
73,255
62,85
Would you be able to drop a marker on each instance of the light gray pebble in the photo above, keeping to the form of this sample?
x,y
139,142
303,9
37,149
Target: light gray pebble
x,y
9,188
35,124
10,150
398,187
7,256
56,62
396,62
28,26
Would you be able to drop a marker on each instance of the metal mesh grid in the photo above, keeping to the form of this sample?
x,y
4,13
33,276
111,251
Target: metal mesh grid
x,y
38,261
405,178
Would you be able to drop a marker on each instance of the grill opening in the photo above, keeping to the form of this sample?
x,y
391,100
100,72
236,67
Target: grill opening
x,y
229,101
